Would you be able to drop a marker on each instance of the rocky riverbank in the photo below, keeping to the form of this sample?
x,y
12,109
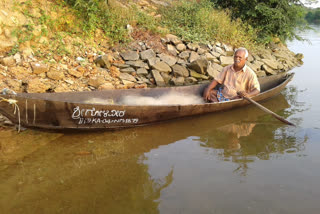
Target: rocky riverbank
x,y
149,61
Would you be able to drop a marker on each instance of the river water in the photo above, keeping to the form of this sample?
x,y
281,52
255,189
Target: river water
x,y
241,161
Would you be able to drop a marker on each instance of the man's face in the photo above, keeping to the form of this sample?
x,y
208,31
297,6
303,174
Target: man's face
x,y
239,58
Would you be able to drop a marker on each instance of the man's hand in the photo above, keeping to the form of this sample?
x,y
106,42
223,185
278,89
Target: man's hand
x,y
242,94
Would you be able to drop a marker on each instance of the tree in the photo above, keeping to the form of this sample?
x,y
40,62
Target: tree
x,y
272,18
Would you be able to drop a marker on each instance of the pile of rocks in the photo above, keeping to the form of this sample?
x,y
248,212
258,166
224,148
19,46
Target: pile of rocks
x,y
189,63
182,63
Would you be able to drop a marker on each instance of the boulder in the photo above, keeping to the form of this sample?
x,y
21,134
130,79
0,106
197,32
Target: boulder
x,y
190,81
55,74
193,56
128,70
172,50
75,73
184,55
213,70
200,66
170,60
197,75
226,60
8,61
147,54
96,81
128,77
152,61
104,61
173,39
158,78
268,70
177,81
37,86
181,47
162,67
179,70
39,68
130,55
142,71
138,64
273,64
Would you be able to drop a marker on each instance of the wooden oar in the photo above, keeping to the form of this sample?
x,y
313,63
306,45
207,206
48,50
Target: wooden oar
x,y
267,110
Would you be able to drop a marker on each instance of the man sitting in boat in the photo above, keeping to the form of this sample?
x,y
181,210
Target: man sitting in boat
x,y
235,79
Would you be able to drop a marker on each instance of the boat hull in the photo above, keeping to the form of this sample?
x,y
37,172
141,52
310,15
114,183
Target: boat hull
x,y
68,111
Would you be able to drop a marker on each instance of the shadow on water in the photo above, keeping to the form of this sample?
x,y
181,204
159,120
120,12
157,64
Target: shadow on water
x,y
105,172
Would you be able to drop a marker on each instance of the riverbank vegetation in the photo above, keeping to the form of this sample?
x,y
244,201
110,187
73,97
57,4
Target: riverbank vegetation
x,y
238,23
313,16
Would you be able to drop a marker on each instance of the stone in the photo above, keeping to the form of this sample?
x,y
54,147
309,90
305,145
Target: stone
x,y
173,39
193,56
260,73
17,58
153,61
147,54
14,85
226,60
170,60
158,78
179,81
219,51
299,56
121,65
55,74
104,61
215,54
273,64
96,81
37,86
128,77
8,61
209,56
127,70
172,50
138,64
181,47
130,55
268,70
184,55
162,67
74,72
190,81
39,68
200,66
213,70
201,51
142,71
193,46
128,84
166,77
179,70
197,75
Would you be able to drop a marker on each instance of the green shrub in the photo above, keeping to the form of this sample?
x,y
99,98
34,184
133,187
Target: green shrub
x,y
200,21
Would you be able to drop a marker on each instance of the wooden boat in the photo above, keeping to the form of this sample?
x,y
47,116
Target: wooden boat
x,y
71,110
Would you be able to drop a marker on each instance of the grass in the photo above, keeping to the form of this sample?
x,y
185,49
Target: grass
x,y
194,21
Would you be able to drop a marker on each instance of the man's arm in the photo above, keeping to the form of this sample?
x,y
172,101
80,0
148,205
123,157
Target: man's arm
x,y
206,92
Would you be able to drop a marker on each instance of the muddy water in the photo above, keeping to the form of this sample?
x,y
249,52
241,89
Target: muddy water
x,y
241,161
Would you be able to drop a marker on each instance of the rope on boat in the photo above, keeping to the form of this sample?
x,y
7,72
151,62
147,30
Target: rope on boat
x,y
34,113
16,109
27,111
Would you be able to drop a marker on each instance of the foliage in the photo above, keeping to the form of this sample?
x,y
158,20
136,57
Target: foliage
x,y
272,18
313,16
200,21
